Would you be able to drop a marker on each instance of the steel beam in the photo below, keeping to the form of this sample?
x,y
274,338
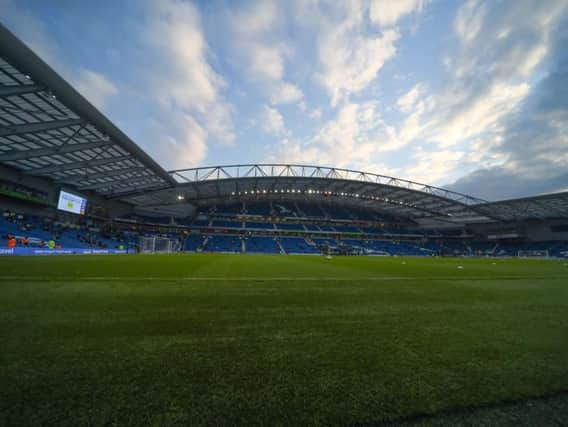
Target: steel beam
x,y
38,127
76,165
116,180
134,191
48,151
6,91
72,179
279,170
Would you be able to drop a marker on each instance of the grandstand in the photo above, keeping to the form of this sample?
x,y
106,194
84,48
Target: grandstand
x,y
72,183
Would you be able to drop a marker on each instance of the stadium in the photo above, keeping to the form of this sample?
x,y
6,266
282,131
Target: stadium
x,y
259,293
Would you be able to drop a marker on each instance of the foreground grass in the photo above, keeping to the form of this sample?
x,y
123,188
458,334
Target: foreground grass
x,y
225,339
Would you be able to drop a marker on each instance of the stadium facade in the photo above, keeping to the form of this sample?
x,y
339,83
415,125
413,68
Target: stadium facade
x,y
52,140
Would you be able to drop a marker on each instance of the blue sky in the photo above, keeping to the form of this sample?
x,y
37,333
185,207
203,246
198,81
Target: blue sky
x,y
469,95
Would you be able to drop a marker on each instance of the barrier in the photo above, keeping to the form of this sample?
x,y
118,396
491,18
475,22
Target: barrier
x,y
66,251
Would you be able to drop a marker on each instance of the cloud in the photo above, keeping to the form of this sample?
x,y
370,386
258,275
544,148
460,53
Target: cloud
x,y
432,166
315,114
286,93
351,52
95,87
259,17
387,12
347,140
179,88
262,50
183,79
528,152
477,115
254,27
407,101
469,20
490,78
186,146
532,153
266,61
32,31
350,60
272,121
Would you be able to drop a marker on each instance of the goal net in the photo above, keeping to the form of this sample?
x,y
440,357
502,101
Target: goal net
x,y
533,253
154,244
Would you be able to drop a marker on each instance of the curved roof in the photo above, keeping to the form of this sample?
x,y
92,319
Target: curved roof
x,y
48,129
221,184
547,206
205,186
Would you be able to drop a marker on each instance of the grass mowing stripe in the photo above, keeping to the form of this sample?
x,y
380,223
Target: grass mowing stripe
x,y
173,342
270,279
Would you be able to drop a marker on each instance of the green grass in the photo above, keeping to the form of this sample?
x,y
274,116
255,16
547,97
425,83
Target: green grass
x,y
250,340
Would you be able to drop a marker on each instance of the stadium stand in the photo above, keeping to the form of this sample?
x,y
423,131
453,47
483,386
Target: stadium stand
x,y
221,243
262,244
285,238
129,202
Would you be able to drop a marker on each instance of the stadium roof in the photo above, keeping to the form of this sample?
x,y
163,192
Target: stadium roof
x,y
48,129
548,206
220,184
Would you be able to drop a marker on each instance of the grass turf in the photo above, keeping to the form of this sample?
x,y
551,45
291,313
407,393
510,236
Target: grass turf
x,y
233,339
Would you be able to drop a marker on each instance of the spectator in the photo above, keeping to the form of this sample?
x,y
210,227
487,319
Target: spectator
x,y
11,242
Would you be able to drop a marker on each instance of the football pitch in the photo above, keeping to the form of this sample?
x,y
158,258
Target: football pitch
x,y
214,339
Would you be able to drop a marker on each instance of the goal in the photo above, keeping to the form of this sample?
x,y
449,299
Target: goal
x,y
154,244
533,253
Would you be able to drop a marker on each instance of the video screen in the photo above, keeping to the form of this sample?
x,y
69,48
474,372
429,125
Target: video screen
x,y
71,203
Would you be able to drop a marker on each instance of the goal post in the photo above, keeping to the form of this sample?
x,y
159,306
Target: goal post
x,y
156,244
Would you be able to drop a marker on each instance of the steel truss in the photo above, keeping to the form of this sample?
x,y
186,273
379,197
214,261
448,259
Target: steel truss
x,y
48,129
278,170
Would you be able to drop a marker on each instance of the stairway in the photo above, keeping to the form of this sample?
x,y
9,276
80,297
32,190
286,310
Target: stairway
x,y
203,245
282,251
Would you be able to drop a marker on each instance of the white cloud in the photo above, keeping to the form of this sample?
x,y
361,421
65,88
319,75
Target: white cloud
x,y
407,101
192,112
469,20
95,87
286,93
434,166
348,140
350,61
489,79
266,61
263,51
480,115
188,147
272,121
350,55
389,12
315,114
259,17
32,31
254,25
190,81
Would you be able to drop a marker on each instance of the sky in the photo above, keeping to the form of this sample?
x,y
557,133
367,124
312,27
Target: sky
x,y
471,95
